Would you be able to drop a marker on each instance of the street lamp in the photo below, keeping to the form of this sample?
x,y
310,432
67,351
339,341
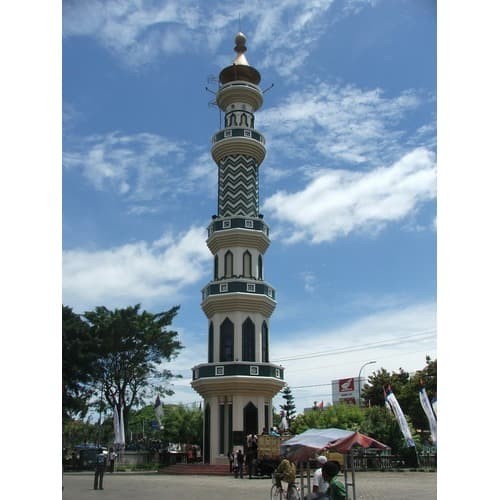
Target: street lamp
x,y
359,380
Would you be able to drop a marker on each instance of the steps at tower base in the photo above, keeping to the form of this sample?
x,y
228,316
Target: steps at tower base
x,y
196,469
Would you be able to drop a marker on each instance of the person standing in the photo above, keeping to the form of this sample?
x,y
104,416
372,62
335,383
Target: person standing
x,y
336,488
112,458
240,458
100,468
319,485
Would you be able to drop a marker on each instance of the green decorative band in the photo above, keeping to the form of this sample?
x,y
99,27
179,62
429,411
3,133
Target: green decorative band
x,y
235,286
234,369
238,132
238,223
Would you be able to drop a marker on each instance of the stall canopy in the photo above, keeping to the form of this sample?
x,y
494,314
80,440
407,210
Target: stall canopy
x,y
303,446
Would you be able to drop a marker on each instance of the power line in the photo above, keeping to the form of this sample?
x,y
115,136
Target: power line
x,y
426,334
347,363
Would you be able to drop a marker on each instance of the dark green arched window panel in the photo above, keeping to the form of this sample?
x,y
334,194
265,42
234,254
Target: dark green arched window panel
x,y
216,267
260,267
247,264
265,343
228,264
248,338
211,343
226,347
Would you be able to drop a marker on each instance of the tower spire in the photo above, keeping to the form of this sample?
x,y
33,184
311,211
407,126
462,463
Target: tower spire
x,y
240,49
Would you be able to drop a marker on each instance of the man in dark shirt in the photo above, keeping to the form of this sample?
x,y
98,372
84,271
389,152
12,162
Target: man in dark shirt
x,y
100,467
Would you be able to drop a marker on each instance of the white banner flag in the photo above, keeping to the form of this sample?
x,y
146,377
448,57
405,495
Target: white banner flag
x,y
118,426
426,405
398,413
122,427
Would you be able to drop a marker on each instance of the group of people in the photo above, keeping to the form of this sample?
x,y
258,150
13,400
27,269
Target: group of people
x,y
237,460
325,483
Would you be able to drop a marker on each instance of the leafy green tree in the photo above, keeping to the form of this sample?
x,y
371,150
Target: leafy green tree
x,y
132,347
373,392
78,365
340,416
289,406
409,396
380,424
187,422
79,431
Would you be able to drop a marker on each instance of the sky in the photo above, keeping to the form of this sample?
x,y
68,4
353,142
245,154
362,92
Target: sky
x,y
348,185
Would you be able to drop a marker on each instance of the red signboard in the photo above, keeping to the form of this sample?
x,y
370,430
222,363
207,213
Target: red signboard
x,y
346,384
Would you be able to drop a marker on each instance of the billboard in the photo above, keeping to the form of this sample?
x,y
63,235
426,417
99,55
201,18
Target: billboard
x,y
346,390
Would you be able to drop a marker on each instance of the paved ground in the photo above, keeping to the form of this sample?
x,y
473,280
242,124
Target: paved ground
x,y
123,486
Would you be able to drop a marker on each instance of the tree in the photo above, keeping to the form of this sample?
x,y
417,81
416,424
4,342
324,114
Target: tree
x,y
289,406
409,394
131,348
78,365
340,416
373,392
183,424
380,424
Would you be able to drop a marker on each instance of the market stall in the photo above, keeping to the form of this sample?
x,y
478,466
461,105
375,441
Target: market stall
x,y
304,446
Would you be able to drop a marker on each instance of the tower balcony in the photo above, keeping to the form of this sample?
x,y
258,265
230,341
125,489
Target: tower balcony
x,y
245,232
236,377
238,141
234,295
239,91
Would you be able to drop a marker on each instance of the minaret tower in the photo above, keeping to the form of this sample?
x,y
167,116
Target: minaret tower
x,y
238,382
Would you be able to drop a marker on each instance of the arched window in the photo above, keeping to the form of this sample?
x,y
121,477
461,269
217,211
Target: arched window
x,y
265,343
216,267
260,267
248,339
247,264
211,343
226,346
250,419
228,264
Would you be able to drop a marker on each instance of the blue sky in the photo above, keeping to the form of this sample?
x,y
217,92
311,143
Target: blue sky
x,y
348,186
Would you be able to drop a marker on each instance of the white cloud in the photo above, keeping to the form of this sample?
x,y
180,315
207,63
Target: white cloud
x,y
337,202
136,272
309,281
343,123
140,166
139,32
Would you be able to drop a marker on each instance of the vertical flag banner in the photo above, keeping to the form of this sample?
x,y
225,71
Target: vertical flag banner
x,y
426,405
122,426
387,405
158,410
118,426
398,413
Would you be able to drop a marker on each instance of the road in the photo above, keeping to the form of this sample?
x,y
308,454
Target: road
x,y
124,486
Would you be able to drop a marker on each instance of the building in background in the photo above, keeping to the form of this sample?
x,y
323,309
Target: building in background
x,y
238,382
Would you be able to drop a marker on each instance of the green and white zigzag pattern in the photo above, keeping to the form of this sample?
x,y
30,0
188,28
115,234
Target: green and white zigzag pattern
x,y
238,186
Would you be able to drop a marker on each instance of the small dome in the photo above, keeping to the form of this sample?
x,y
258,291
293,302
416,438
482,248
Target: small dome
x,y
240,39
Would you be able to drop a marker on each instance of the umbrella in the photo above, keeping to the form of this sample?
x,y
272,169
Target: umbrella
x,y
302,446
356,439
